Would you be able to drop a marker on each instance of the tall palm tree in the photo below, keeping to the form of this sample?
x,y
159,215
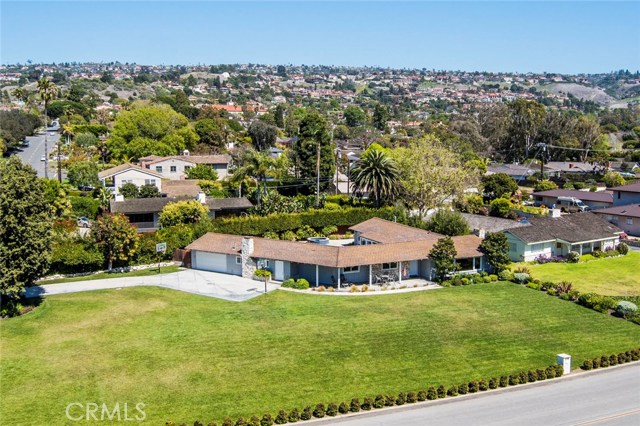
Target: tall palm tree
x,y
48,92
21,93
377,173
257,166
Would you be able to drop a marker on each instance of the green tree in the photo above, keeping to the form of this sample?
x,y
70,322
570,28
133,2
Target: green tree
x,y
313,135
150,130
210,132
448,222
278,115
25,228
498,185
496,251
257,166
183,212
83,173
116,237
87,139
545,185
263,136
202,171
380,117
148,191
354,116
500,207
376,173
443,255
57,197
104,197
612,179
129,190
527,118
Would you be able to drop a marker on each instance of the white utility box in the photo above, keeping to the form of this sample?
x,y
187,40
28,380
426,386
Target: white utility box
x,y
565,361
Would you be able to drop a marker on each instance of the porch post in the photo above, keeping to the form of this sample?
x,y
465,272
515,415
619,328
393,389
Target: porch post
x,y
317,276
474,263
370,268
400,272
338,278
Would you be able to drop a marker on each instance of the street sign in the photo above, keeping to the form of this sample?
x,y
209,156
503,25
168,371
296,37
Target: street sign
x,y
161,247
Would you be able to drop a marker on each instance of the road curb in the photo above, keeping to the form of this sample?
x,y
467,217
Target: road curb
x,y
575,374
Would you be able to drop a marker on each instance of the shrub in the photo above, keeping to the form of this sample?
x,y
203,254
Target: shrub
x,y
367,404
329,230
635,355
613,360
379,401
559,370
401,399
227,422
493,277
267,420
626,309
294,415
622,358
542,375
389,400
241,422
411,397
500,207
587,365
552,292
319,411
623,249
430,395
197,423
262,273
532,376
306,413
441,392
522,269
595,363
254,421
573,257
271,235
216,424
604,361
288,283
301,284
76,255
521,277
343,408
505,275
354,407
550,372
452,391
487,280
504,381
332,410
524,377
534,286
514,380
288,236
493,383
281,418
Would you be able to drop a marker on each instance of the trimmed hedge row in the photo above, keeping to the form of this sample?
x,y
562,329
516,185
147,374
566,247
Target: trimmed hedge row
x,y
611,360
356,405
281,222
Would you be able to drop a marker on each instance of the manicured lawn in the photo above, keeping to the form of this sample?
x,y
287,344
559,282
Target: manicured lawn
x,y
189,357
617,276
102,276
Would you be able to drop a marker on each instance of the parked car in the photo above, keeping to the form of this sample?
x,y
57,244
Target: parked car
x,y
83,222
86,188
571,205
25,143
43,158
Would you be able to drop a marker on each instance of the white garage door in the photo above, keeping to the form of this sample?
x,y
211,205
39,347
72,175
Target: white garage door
x,y
215,262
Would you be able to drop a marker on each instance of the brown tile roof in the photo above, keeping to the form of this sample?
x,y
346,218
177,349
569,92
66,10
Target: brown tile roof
x,y
181,188
385,232
124,167
573,228
332,256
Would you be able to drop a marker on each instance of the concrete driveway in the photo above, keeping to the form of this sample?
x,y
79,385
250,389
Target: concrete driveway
x,y
211,284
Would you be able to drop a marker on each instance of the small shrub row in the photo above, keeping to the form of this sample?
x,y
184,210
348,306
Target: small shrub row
x,y
299,284
468,279
611,360
356,405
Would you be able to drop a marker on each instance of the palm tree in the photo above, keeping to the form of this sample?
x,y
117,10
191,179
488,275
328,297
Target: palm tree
x,y
376,173
48,91
104,196
257,166
21,93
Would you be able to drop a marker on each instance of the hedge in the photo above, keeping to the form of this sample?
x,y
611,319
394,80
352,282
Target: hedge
x,y
611,360
321,410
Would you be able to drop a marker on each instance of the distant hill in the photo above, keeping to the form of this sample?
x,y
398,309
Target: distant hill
x,y
579,91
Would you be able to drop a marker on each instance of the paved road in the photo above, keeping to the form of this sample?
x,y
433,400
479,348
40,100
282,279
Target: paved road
x,y
212,284
604,397
35,151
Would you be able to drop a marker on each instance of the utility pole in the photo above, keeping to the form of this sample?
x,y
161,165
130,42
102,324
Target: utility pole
x,y
318,175
59,163
46,146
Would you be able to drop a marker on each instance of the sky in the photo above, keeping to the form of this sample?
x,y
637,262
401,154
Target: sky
x,y
510,36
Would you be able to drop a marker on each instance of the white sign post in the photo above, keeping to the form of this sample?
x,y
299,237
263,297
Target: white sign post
x,y
160,248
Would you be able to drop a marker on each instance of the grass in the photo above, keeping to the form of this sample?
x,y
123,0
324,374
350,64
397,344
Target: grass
x,y
615,276
189,357
103,275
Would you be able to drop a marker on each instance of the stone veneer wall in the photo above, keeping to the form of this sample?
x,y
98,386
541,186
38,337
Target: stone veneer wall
x,y
248,263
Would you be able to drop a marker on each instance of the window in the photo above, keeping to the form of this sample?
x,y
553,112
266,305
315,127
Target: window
x,y
390,265
558,245
238,260
150,182
351,269
159,169
186,168
140,217
629,221
173,169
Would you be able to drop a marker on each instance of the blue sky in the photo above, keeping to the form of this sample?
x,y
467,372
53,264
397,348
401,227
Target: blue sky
x,y
569,37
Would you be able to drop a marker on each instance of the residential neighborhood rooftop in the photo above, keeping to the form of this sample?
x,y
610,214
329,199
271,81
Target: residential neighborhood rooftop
x,y
632,187
385,232
570,228
631,210
124,167
600,196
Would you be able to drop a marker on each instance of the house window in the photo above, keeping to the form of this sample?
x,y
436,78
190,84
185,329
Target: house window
x,y
238,260
629,221
351,269
619,195
159,169
173,169
186,168
390,265
558,245
150,182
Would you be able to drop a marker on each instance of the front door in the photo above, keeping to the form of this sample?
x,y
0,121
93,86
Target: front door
x,y
279,271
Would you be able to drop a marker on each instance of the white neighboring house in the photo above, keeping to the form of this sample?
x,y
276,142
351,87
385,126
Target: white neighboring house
x,y
175,167
117,176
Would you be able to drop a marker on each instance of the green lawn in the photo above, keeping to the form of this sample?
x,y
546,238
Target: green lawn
x,y
190,357
617,276
102,276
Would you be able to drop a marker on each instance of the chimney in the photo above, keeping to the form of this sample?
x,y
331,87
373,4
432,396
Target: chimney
x,y
248,263
554,213
482,234
202,198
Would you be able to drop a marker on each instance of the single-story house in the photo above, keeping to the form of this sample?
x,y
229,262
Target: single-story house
x,y
557,168
144,213
626,194
115,177
175,167
595,200
381,249
481,225
626,218
557,236
516,171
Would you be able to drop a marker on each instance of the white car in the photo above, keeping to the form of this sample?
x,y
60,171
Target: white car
x,y
43,158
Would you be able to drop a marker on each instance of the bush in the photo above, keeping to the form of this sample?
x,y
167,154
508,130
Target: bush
x,y
76,255
379,401
521,278
228,422
343,408
267,420
604,361
332,410
500,207
542,375
289,236
431,394
389,400
262,273
587,365
441,392
84,206
493,383
411,397
452,391
241,422
473,387
306,413
354,407
401,399
319,411
505,275
613,360
288,283
329,230
514,379
597,302
595,363
573,257
626,309
622,358
532,376
367,404
483,385
523,377
504,381
281,418
294,415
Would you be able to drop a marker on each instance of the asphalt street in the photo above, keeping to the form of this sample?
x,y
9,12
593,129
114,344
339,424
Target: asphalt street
x,y
33,153
604,397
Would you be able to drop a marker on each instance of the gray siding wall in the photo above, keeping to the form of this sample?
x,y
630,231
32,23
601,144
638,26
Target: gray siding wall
x,y
624,198
232,267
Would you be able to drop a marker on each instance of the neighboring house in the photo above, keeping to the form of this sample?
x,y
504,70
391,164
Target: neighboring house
x,y
175,167
115,177
626,218
626,194
381,249
557,236
556,168
481,224
516,171
595,200
144,213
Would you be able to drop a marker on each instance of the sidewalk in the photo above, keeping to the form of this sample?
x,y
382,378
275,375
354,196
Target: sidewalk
x,y
212,284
